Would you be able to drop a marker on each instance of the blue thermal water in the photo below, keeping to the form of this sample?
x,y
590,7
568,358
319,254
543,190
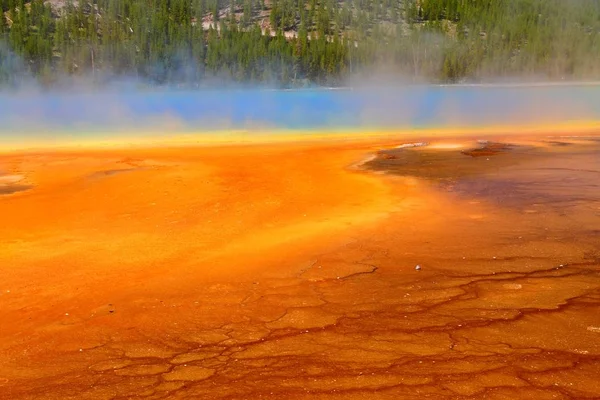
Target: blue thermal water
x,y
398,107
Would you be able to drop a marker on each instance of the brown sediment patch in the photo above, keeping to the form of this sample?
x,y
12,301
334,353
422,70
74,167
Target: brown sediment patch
x,y
558,143
296,278
110,172
11,189
10,184
446,161
488,149
548,173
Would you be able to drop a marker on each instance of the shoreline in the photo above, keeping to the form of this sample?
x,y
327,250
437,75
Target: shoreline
x,y
148,139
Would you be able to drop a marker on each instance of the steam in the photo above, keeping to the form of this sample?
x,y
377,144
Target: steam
x,y
128,108
11,68
112,107
392,94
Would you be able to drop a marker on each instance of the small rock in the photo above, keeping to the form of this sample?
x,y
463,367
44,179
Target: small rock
x,y
418,267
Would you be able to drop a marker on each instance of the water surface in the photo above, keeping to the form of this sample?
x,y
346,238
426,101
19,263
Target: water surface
x,y
78,112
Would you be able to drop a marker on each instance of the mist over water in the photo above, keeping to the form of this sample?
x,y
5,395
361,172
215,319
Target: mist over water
x,y
112,112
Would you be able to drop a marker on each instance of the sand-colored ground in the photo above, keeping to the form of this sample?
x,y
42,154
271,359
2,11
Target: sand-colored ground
x,y
285,271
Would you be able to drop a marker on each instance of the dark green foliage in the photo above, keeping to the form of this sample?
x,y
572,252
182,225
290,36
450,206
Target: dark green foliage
x,y
187,41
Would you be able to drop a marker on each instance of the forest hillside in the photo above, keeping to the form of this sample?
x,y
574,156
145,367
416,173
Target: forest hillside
x,y
295,43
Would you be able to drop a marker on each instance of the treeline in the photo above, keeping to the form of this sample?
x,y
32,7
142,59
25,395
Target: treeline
x,y
298,42
557,39
165,41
